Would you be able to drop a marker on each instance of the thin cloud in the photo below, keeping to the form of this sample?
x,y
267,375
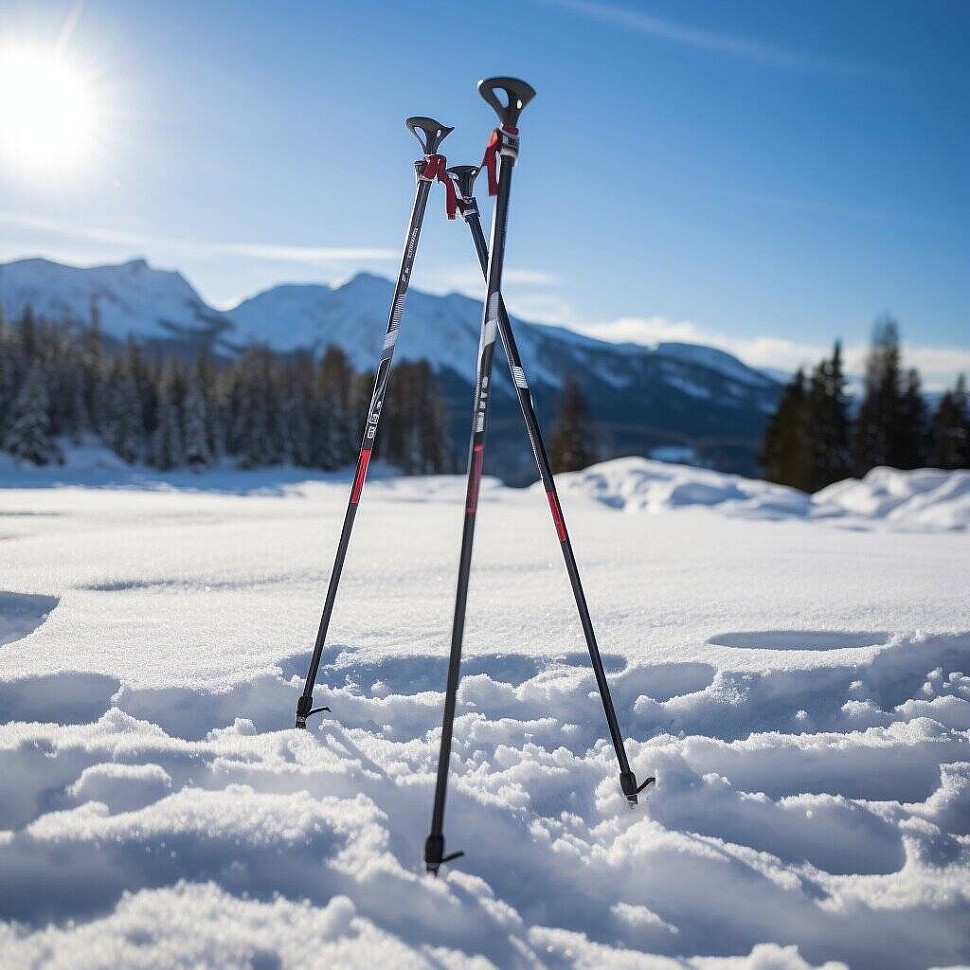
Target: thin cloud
x,y
739,47
938,366
301,255
468,279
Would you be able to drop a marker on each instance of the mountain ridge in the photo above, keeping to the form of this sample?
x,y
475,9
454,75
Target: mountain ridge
x,y
639,397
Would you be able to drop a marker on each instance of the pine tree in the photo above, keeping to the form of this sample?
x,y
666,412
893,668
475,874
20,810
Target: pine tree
x,y
827,424
197,453
121,421
881,405
208,384
909,435
570,447
79,419
335,421
29,429
28,334
167,443
950,436
255,411
9,374
92,362
787,454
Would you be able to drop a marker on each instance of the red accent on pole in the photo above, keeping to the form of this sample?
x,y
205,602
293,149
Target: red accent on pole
x,y
490,160
360,476
435,168
557,514
477,460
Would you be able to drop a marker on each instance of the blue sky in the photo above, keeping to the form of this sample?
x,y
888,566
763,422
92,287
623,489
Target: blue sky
x,y
761,176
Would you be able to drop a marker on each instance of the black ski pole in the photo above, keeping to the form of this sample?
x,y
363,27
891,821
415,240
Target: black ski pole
x,y
504,142
430,134
464,177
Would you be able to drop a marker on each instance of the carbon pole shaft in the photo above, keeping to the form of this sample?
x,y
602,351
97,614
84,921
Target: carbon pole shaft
x,y
435,845
469,209
305,704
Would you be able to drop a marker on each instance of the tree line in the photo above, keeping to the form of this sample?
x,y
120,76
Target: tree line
x,y
816,437
64,382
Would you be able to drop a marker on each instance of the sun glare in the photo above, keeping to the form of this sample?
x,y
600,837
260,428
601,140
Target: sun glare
x,y
49,114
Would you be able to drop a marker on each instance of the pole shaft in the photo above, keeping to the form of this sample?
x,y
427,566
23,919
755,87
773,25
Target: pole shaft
x,y
483,393
368,438
545,473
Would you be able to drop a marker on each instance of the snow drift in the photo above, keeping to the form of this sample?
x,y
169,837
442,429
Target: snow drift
x,y
924,498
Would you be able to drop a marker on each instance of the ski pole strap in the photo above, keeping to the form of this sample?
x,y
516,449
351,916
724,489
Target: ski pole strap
x,y
504,141
434,169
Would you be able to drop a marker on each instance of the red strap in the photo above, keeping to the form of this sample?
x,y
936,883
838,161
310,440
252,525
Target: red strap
x,y
434,168
490,161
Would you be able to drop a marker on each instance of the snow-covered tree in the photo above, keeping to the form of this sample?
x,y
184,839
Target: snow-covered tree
x,y
167,450
121,417
29,428
197,452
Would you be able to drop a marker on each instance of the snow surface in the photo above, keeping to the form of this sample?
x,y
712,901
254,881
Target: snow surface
x,y
800,689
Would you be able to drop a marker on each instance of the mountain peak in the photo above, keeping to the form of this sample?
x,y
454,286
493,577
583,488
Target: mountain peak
x,y
365,280
132,297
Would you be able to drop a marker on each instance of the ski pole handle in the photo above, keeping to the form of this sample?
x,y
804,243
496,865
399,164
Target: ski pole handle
x,y
464,178
517,95
429,133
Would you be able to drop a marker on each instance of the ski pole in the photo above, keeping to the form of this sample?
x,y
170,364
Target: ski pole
x,y
464,178
504,142
430,134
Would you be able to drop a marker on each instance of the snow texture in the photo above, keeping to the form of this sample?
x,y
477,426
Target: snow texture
x,y
800,689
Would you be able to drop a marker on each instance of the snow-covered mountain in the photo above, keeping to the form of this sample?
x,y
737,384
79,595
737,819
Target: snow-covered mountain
x,y
131,298
639,397
444,330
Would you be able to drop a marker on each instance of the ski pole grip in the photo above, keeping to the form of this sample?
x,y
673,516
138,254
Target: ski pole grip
x,y
517,95
429,133
464,178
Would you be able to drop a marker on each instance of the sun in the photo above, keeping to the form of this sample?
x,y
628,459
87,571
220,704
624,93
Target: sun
x,y
50,114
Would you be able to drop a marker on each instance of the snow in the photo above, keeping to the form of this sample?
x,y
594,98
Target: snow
x,y
800,688
920,500
650,485
923,498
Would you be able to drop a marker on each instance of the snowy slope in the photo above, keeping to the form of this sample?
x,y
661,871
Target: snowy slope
x,y
130,298
800,691
443,330
717,360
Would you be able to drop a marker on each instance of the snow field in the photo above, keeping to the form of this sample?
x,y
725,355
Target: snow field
x,y
800,690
